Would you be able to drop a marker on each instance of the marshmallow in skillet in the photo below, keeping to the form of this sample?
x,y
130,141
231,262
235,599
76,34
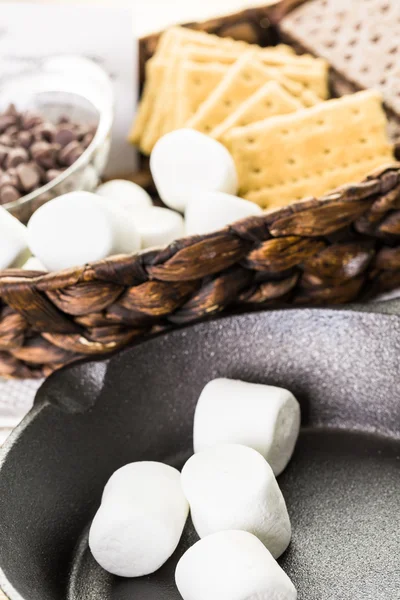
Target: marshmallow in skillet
x,y
159,226
231,565
78,228
210,211
186,161
13,241
140,520
263,417
233,487
125,195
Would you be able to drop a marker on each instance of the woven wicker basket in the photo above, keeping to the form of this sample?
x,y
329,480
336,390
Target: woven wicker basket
x,y
339,248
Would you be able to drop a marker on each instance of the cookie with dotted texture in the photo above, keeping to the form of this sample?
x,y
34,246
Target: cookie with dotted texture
x,y
312,151
310,72
359,39
155,70
195,82
270,100
241,81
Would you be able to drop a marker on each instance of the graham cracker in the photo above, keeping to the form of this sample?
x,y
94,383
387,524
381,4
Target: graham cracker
x,y
307,97
304,60
150,122
311,73
359,39
284,48
195,82
311,151
155,69
168,40
156,123
184,35
311,79
186,86
337,177
228,55
165,107
242,79
270,100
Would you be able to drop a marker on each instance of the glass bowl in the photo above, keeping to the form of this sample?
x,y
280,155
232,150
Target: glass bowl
x,y
71,86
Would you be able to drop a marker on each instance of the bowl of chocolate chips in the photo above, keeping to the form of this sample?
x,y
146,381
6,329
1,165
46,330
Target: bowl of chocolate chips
x,y
55,130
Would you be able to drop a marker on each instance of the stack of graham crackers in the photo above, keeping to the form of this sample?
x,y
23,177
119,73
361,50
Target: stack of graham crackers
x,y
270,108
192,72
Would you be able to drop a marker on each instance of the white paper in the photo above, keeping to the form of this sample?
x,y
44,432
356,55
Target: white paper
x,y
101,33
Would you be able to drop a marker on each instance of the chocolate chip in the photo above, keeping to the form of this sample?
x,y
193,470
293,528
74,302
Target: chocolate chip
x,y
6,140
6,121
81,131
44,154
8,193
87,140
52,174
44,131
12,131
34,151
68,155
24,138
41,171
9,178
15,157
4,150
28,176
64,136
30,120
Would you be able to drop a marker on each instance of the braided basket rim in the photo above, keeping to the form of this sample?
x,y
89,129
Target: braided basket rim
x,y
340,247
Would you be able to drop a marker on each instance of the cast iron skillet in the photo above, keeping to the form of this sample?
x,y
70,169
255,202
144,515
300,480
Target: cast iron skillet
x,y
342,486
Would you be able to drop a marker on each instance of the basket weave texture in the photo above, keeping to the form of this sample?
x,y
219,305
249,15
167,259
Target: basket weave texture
x,y
335,249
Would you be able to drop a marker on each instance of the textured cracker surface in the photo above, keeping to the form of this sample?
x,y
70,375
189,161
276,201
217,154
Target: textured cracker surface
x,y
189,65
270,100
195,82
359,38
310,152
243,78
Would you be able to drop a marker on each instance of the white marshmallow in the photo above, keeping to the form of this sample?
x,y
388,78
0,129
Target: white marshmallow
x,y
210,211
125,195
263,417
186,161
13,241
140,521
78,228
159,226
233,487
33,264
231,565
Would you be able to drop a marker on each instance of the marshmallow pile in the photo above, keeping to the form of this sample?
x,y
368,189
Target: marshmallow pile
x,y
244,435
82,227
193,173
196,175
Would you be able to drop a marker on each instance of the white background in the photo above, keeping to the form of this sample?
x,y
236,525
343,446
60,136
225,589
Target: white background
x,y
152,15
